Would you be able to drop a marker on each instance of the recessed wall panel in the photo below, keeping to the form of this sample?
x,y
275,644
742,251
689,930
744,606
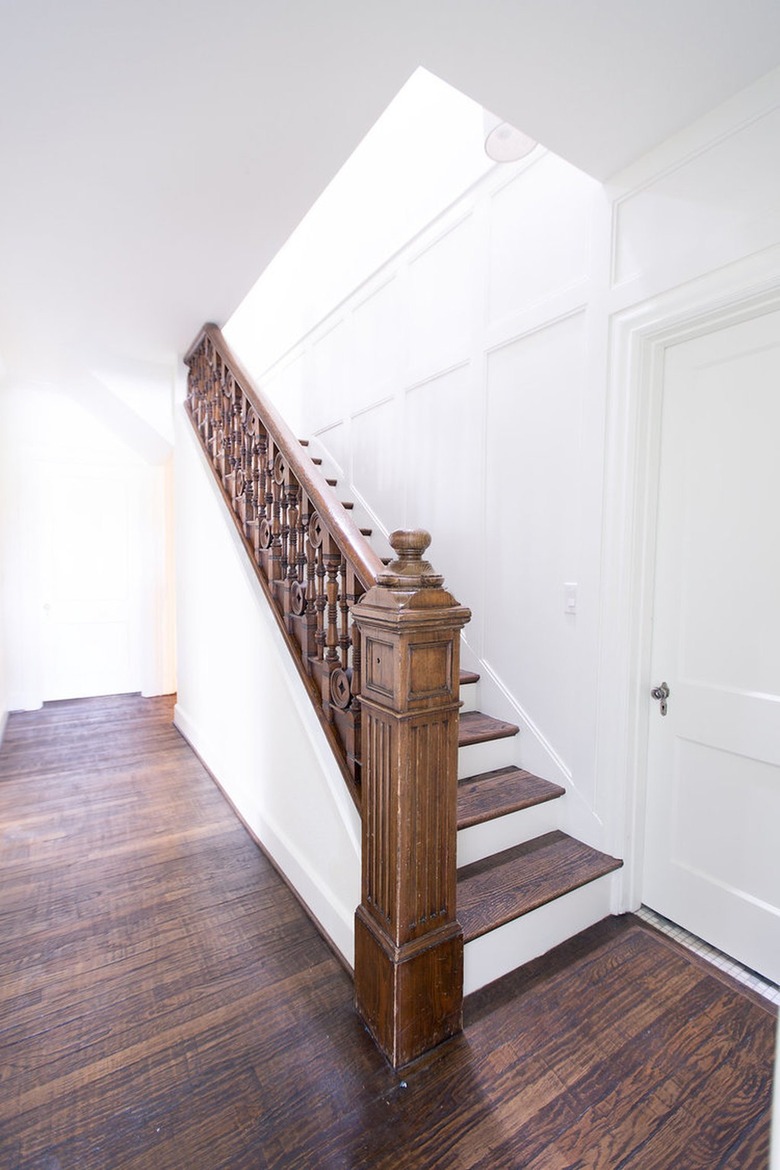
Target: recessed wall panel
x,y
442,452
330,369
442,284
539,236
533,486
377,461
378,345
708,202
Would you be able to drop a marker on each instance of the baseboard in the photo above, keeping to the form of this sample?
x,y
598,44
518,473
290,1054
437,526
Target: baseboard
x,y
285,858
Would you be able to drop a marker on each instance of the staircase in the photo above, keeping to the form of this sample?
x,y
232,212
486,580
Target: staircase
x,y
519,876
377,645
521,880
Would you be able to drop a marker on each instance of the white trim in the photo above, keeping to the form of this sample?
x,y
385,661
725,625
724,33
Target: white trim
x,y
640,336
334,917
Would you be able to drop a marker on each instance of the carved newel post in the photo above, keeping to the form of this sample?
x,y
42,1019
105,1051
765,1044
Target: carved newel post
x,y
408,944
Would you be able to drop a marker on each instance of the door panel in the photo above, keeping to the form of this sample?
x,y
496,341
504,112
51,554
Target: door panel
x,y
90,636
712,861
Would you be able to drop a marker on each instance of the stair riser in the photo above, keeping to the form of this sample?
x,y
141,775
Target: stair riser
x,y
500,951
484,757
468,697
490,837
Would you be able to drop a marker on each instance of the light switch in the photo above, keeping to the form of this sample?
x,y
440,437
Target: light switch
x,y
570,597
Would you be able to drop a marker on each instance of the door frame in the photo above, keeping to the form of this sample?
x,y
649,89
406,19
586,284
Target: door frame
x,y
639,337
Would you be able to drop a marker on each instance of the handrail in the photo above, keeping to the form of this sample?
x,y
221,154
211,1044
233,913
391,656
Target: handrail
x,y
348,536
310,558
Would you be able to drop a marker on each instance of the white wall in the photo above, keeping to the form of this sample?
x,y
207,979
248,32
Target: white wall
x,y
472,385
56,456
242,707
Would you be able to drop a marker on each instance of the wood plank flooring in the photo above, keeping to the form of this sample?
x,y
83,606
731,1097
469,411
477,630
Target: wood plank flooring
x,y
166,1005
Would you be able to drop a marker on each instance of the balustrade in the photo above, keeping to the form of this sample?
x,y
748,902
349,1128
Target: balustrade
x,y
312,561
377,650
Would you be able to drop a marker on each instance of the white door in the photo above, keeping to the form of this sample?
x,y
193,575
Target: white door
x,y
90,635
712,847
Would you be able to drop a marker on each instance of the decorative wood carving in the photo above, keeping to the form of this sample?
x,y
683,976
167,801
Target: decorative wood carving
x,y
310,558
378,652
408,944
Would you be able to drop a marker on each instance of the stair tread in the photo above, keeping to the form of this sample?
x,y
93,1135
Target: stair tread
x,y
476,727
505,790
468,676
497,889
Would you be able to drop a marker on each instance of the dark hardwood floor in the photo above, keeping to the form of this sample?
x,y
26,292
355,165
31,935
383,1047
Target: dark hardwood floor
x,y
166,1005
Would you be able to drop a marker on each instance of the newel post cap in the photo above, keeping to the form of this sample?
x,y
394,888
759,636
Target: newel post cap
x,y
409,570
409,584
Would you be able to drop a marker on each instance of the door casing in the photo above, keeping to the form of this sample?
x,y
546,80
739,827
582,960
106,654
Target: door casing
x,y
639,337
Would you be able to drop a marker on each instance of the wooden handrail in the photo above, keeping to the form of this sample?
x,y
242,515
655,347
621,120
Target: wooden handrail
x,y
310,558
348,536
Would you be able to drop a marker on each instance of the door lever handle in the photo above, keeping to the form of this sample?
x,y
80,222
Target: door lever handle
x,y
661,694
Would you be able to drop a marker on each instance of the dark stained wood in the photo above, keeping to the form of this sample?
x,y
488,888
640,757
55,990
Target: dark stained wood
x,y
468,677
504,790
476,727
301,465
165,1003
499,888
408,943
290,523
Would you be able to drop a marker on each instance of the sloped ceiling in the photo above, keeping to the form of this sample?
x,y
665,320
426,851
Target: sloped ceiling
x,y
156,154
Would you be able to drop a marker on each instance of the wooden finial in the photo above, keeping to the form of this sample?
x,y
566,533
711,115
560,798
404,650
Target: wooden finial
x,y
409,570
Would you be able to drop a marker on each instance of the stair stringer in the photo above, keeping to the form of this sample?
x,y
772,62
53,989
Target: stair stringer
x,y
243,708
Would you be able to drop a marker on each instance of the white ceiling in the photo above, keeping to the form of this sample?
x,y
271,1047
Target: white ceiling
x,y
156,154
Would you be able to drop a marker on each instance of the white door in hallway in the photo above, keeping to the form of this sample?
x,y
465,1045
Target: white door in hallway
x,y
712,844
90,628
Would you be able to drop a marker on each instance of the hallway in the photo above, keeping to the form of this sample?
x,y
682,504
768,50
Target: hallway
x,y
166,1003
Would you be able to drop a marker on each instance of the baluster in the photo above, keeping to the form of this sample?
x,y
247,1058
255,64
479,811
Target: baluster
x,y
304,518
210,424
275,464
248,468
292,491
322,601
233,451
243,457
314,577
332,559
345,641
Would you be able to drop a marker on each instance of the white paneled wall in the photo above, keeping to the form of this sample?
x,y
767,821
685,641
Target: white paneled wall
x,y
477,385
450,391
540,225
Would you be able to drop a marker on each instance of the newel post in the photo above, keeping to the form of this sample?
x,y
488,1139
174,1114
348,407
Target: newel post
x,y
408,944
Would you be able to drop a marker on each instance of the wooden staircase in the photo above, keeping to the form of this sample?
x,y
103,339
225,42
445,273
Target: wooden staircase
x,y
497,887
541,866
466,872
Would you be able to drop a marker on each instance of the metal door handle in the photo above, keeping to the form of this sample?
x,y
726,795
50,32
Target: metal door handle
x,y
662,694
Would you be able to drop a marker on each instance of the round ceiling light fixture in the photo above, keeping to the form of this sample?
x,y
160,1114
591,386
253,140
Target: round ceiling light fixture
x,y
504,142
